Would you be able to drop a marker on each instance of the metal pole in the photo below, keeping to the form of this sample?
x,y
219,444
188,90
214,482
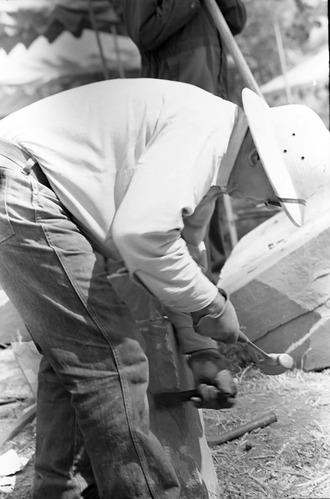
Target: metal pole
x,y
120,65
98,39
280,49
230,221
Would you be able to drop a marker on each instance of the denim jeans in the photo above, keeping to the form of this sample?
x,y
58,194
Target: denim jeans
x,y
93,431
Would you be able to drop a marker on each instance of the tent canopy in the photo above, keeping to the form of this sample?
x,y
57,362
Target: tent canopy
x,y
28,74
22,21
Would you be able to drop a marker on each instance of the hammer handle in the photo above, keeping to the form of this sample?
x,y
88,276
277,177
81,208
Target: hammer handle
x,y
172,399
242,338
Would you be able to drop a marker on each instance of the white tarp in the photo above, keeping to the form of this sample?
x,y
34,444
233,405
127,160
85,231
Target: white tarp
x,y
27,75
313,71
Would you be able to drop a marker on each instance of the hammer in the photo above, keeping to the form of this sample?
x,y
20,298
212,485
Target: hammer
x,y
164,400
272,363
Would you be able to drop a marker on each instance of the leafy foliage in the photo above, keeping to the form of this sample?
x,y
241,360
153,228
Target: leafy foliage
x,y
296,19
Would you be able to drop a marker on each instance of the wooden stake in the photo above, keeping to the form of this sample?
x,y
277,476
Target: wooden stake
x,y
232,47
264,420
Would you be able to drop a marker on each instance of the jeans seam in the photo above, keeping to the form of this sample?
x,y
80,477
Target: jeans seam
x,y
139,452
123,383
75,457
132,431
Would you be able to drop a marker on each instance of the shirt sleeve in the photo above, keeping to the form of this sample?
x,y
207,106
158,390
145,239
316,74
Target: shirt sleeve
x,y
174,173
188,340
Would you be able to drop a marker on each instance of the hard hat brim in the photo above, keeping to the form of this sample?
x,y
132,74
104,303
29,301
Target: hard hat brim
x,y
259,118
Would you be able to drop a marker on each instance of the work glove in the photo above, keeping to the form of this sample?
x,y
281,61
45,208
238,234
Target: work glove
x,y
218,320
215,384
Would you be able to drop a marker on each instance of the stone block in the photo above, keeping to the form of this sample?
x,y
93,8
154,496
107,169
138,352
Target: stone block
x,y
278,277
179,429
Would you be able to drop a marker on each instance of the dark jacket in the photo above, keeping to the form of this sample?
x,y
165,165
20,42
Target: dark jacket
x,y
178,40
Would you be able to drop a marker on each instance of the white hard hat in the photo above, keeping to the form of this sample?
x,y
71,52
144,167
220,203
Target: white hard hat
x,y
294,147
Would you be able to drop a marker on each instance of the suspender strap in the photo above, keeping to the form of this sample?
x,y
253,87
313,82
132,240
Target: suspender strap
x,y
290,200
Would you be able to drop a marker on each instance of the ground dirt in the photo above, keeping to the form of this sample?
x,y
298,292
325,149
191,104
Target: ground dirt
x,y
288,459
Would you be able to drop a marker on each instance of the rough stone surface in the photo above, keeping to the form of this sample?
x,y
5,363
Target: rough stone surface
x,y
279,279
179,429
316,356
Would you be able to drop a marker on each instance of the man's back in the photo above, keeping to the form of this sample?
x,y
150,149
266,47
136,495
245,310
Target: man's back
x,y
91,140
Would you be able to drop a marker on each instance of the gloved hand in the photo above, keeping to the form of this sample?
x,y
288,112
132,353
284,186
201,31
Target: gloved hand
x,y
213,380
218,320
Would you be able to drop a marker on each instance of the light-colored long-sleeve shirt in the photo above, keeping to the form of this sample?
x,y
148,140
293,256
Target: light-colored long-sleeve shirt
x,y
137,164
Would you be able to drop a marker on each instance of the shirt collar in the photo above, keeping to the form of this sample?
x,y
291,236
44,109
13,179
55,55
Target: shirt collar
x,y
235,141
